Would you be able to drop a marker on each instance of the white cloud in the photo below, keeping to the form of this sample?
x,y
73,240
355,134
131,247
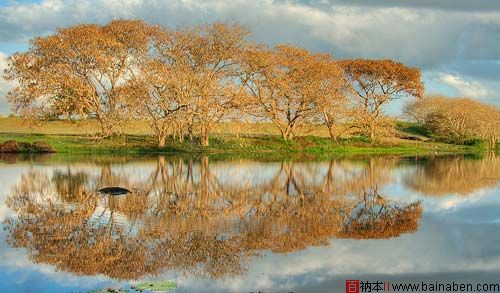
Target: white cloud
x,y
466,88
428,34
424,37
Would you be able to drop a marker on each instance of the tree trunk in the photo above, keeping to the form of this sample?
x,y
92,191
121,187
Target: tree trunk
x,y
204,136
287,134
106,129
283,135
161,141
190,132
372,130
333,136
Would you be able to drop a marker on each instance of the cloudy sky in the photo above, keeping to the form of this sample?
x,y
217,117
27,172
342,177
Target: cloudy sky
x,y
455,42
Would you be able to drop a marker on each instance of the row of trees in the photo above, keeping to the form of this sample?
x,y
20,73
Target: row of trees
x,y
456,120
187,80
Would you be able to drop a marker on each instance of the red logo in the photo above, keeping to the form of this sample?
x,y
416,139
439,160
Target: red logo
x,y
351,286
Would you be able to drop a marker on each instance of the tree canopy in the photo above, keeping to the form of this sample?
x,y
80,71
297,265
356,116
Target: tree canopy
x,y
184,82
375,84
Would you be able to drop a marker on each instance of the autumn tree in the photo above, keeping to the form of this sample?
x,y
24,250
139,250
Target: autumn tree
x,y
154,101
79,71
208,65
335,109
286,85
160,93
456,119
375,84
489,125
417,110
189,79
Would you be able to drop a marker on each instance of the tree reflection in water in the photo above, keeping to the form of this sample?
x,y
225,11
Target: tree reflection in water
x,y
454,175
195,220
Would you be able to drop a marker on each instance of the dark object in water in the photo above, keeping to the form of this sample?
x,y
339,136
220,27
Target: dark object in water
x,y
114,190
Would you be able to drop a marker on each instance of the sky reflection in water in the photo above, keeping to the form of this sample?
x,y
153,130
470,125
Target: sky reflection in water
x,y
247,225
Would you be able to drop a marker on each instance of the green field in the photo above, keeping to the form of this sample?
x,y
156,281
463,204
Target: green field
x,y
245,139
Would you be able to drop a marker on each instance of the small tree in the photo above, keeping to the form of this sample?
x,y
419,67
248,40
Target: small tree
x,y
375,84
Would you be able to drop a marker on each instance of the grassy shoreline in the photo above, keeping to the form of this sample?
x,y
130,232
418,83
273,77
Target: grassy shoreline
x,y
238,145
229,139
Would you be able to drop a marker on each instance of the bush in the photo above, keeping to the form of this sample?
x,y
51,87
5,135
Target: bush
x,y
43,147
9,146
12,146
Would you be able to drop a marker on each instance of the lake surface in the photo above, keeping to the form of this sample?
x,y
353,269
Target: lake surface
x,y
241,226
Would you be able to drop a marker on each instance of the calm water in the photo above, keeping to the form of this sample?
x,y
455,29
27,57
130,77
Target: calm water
x,y
244,225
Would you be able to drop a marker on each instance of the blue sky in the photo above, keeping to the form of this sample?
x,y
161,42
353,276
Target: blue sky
x,y
456,43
